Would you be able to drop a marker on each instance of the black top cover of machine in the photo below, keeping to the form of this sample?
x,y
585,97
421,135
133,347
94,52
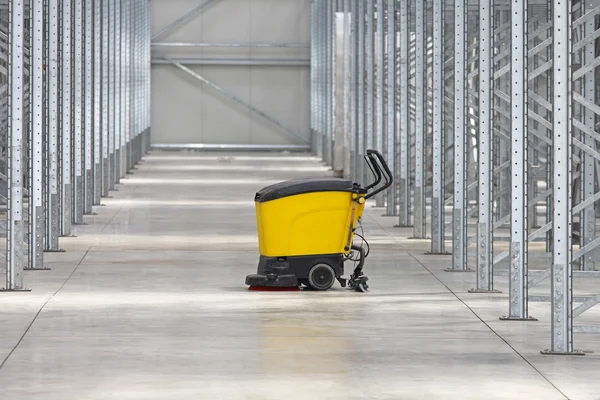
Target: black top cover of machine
x,y
302,186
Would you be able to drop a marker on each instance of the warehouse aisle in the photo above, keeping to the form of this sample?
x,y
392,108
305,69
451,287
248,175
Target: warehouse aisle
x,y
149,302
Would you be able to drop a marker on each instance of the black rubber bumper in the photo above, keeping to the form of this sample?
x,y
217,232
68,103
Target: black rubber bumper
x,y
271,280
290,271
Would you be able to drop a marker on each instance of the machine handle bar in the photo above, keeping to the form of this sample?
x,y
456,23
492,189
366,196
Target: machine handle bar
x,y
372,162
374,156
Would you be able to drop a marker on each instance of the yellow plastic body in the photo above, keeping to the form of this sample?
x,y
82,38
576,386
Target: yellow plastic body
x,y
316,223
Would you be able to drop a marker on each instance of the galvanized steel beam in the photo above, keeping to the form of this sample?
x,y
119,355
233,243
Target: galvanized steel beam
x,y
459,215
354,95
105,129
240,45
404,181
339,77
112,94
347,119
99,103
313,71
588,167
420,226
438,128
485,240
118,95
329,89
53,171
370,77
89,104
518,289
379,88
16,258
562,265
78,112
37,220
66,130
391,132
361,171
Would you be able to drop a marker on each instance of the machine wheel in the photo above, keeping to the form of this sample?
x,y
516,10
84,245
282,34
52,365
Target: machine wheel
x,y
321,277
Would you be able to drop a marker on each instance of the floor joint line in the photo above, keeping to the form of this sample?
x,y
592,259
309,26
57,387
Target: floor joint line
x,y
474,313
61,286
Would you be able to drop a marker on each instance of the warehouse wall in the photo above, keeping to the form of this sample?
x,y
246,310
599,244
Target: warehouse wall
x,y
184,110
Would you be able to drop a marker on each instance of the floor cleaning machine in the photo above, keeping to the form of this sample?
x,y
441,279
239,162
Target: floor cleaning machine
x,y
306,230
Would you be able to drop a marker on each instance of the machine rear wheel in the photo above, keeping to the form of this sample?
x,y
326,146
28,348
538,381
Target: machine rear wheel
x,y
321,277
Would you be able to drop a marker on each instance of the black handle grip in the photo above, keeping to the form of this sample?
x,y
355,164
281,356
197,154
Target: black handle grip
x,y
372,163
388,176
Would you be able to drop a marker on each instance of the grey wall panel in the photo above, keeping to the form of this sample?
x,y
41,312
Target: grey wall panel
x,y
284,21
280,92
187,111
176,106
226,22
223,120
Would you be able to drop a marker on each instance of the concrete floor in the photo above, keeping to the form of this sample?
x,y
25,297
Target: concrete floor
x,y
149,302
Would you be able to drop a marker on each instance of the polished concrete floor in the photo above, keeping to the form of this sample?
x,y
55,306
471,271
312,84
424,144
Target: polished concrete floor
x,y
149,302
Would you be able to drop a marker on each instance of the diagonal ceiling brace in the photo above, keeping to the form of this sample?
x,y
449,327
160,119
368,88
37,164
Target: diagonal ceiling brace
x,y
237,100
182,19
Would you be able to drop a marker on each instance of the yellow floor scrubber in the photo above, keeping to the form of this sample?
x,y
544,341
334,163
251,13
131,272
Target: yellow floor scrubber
x,y
306,230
